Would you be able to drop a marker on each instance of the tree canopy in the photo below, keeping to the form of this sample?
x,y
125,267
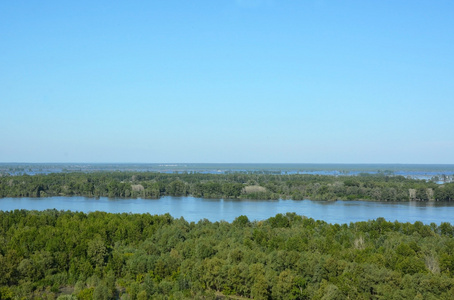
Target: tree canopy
x,y
237,185
73,255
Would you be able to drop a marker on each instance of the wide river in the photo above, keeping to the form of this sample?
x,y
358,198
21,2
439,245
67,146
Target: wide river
x,y
194,209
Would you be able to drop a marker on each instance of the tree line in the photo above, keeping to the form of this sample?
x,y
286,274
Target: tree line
x,y
72,255
237,185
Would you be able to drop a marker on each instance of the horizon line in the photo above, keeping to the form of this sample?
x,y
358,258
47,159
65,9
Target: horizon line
x,y
237,163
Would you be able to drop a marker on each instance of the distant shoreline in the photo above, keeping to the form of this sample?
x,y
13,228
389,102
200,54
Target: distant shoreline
x,y
235,185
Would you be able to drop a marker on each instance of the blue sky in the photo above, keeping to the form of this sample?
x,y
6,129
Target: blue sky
x,y
227,81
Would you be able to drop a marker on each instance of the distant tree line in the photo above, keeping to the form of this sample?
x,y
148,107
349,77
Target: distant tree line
x,y
237,186
73,255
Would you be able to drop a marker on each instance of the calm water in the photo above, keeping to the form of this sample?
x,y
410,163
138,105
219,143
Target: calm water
x,y
194,209
424,171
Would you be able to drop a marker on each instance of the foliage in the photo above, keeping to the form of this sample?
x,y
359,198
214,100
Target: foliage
x,y
378,187
52,254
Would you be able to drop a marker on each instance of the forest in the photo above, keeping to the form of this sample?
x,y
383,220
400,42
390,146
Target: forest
x,y
72,255
377,187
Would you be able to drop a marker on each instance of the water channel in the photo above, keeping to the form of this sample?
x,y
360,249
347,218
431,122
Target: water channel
x,y
194,209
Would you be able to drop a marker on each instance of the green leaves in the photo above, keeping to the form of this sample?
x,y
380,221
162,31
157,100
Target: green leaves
x,y
237,186
106,256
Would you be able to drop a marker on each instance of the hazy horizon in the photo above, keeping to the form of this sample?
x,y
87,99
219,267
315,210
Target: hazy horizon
x,y
217,163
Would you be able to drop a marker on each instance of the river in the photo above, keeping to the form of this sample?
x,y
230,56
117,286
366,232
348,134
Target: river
x,y
194,209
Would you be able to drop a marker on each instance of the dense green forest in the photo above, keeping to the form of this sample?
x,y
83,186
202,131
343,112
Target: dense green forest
x,y
73,255
237,185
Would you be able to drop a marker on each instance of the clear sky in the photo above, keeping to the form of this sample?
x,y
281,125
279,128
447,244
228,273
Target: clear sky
x,y
227,81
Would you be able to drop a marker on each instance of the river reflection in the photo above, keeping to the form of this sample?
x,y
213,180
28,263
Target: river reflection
x,y
194,209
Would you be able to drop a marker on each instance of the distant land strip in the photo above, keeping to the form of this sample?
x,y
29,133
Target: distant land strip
x,y
371,187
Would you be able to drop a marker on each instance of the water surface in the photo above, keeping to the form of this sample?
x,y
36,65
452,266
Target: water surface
x,y
194,209
418,171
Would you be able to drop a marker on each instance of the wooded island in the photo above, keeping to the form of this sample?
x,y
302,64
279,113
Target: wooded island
x,y
365,186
